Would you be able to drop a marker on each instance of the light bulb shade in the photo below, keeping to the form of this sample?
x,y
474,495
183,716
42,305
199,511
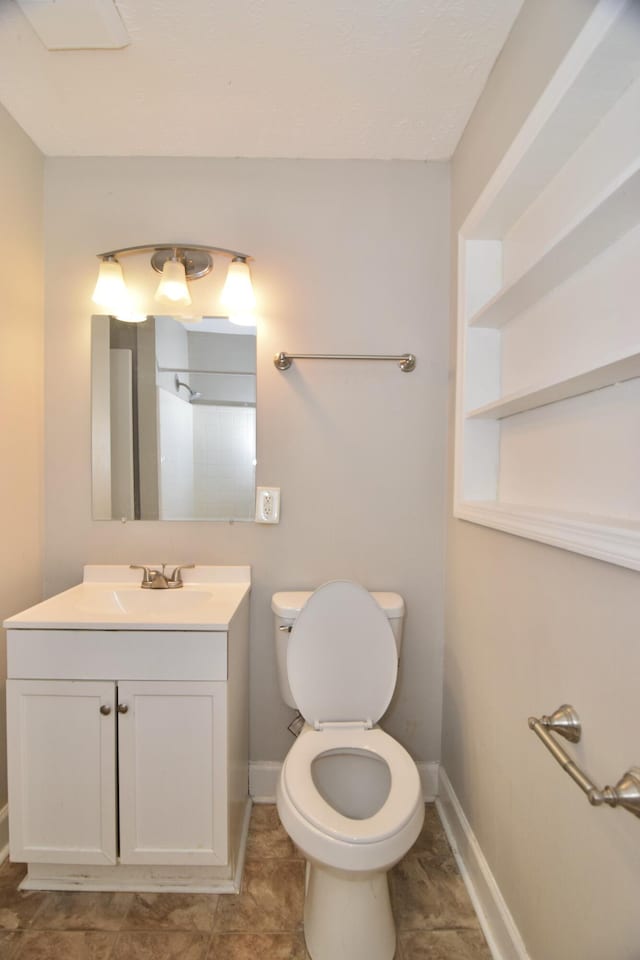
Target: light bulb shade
x,y
111,291
131,317
237,295
173,285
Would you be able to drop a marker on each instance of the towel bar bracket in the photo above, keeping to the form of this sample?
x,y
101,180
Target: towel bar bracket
x,y
566,723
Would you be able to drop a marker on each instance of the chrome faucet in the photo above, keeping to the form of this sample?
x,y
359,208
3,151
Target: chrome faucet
x,y
153,579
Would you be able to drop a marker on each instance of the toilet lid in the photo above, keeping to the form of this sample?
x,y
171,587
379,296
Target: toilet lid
x,y
342,660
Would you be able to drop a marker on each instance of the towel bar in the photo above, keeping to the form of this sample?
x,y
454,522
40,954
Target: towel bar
x,y
406,361
566,723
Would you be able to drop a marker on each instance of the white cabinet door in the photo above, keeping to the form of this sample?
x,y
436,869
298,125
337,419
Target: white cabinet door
x,y
173,772
62,771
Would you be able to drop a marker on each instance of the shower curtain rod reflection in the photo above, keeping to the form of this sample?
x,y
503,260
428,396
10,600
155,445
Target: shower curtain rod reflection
x,y
203,402
215,373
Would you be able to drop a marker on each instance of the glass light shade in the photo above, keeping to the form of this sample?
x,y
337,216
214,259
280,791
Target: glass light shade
x,y
173,285
131,317
111,291
237,296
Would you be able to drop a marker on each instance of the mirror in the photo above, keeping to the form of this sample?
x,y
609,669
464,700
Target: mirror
x,y
173,419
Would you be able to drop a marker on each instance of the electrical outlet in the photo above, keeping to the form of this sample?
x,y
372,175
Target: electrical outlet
x,y
268,504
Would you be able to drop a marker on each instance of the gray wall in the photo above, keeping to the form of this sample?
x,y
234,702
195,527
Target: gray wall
x,y
222,351
21,350
349,257
530,627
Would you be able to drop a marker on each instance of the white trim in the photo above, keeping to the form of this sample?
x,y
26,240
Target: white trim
x,y
493,913
608,373
263,779
602,539
428,771
242,851
4,832
46,877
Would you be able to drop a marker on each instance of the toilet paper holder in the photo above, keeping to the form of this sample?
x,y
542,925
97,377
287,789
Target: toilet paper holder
x,y
565,722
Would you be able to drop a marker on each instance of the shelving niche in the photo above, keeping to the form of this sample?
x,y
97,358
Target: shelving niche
x,y
548,389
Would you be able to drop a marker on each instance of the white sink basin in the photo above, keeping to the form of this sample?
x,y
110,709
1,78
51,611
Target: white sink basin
x,y
207,601
114,601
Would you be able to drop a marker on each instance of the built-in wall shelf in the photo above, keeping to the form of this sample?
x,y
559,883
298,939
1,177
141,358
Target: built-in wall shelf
x,y
569,108
606,375
548,293
611,218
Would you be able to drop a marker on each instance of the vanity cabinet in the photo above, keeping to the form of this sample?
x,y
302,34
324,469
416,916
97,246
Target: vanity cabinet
x,y
127,717
93,762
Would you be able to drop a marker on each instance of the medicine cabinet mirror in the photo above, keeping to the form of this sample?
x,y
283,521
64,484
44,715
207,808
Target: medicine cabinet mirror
x,y
173,419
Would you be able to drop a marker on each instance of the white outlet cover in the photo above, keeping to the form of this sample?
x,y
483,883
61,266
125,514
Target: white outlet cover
x,y
267,504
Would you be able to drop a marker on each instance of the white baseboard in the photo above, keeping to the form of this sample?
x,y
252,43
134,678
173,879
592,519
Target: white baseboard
x,y
4,833
429,779
495,919
263,778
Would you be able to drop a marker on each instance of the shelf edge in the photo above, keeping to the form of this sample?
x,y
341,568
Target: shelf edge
x,y
622,201
587,381
603,539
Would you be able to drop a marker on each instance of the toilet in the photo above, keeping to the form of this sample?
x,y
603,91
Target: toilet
x,y
348,795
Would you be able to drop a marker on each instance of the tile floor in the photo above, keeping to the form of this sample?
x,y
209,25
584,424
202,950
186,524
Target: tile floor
x,y
434,916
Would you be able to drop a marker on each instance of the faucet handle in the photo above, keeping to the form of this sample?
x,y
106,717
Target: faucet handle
x,y
146,576
176,576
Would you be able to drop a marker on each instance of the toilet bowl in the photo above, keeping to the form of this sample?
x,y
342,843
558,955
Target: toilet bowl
x,y
348,794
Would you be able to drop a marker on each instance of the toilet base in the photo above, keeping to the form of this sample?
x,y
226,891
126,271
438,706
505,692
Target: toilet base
x,y
347,916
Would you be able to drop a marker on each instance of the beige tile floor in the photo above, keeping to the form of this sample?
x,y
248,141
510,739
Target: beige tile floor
x,y
434,916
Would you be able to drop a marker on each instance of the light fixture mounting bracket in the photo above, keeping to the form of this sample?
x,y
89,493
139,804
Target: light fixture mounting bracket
x,y
196,263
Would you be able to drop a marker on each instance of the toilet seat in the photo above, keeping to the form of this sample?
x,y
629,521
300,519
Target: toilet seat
x,y
399,807
342,660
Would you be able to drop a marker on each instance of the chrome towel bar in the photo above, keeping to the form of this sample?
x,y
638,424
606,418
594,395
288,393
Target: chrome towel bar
x,y
406,361
566,723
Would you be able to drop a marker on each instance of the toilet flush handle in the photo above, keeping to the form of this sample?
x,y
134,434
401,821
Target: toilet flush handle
x,y
285,627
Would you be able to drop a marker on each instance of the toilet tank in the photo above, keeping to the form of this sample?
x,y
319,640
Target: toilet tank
x,y
287,605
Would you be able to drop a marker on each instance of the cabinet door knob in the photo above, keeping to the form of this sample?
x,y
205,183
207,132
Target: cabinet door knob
x,y
105,709
123,708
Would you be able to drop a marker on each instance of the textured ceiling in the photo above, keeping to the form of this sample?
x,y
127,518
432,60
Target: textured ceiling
x,y
260,78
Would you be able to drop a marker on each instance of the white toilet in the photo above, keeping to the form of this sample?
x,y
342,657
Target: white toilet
x,y
348,795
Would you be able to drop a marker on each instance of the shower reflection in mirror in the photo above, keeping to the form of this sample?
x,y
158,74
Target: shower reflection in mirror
x,y
173,419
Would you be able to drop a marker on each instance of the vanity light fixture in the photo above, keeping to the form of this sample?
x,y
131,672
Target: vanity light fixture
x,y
179,264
